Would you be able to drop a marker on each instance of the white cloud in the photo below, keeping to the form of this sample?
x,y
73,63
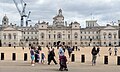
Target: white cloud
x,y
73,10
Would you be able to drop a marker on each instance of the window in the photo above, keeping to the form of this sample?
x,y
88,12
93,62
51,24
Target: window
x,y
31,37
31,32
109,35
114,42
9,36
81,42
115,35
49,36
28,32
4,35
81,37
42,43
75,35
35,32
85,37
104,34
24,37
42,35
104,42
14,35
54,36
24,32
59,35
68,36
68,43
81,32
75,42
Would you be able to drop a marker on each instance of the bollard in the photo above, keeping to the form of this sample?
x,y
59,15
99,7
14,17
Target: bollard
x,y
82,58
25,56
73,58
105,59
2,56
118,60
14,56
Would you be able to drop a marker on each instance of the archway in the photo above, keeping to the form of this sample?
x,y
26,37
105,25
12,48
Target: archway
x,y
109,44
54,43
9,45
63,43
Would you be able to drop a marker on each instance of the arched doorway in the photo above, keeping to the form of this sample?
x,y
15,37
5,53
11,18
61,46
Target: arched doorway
x,y
58,43
63,43
110,44
9,45
54,44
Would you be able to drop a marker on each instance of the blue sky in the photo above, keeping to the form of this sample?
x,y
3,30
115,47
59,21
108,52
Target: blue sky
x,y
105,11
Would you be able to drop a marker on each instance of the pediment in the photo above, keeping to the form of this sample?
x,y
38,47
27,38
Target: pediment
x,y
9,29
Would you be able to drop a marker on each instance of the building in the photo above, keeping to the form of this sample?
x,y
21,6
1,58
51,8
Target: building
x,y
42,33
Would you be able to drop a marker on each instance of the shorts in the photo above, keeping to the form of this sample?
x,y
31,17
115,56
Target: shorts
x,y
32,57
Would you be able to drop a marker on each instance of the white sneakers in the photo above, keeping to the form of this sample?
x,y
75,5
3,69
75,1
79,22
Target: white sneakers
x,y
33,64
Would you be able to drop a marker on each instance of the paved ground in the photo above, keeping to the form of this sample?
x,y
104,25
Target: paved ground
x,y
73,67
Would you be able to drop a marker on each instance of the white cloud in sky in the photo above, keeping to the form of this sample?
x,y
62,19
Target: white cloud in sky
x,y
104,11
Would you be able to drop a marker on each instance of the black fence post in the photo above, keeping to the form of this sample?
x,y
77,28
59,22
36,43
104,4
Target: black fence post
x,y
25,56
105,59
73,58
13,56
82,58
2,56
118,60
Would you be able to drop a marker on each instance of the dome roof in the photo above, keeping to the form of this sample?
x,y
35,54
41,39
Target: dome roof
x,y
5,18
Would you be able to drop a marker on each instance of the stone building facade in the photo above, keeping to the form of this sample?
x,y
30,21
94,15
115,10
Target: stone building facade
x,y
43,33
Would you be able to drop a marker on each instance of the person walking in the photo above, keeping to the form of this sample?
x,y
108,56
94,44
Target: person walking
x,y
94,56
42,57
110,51
37,57
48,54
69,51
115,49
52,55
62,59
32,56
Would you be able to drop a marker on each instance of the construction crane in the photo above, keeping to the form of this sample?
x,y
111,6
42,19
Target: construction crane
x,y
27,19
21,12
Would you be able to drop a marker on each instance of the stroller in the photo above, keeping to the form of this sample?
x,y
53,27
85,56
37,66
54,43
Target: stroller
x,y
63,65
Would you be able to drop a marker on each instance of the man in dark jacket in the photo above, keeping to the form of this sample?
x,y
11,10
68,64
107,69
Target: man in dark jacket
x,y
94,55
51,57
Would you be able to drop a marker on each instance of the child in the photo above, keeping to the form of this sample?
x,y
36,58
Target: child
x,y
42,57
63,64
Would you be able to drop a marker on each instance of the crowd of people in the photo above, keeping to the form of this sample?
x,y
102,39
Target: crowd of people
x,y
38,56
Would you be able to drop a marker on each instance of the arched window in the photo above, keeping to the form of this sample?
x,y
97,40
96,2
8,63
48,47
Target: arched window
x,y
14,35
4,35
109,35
42,35
104,34
59,35
115,34
9,36
75,35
